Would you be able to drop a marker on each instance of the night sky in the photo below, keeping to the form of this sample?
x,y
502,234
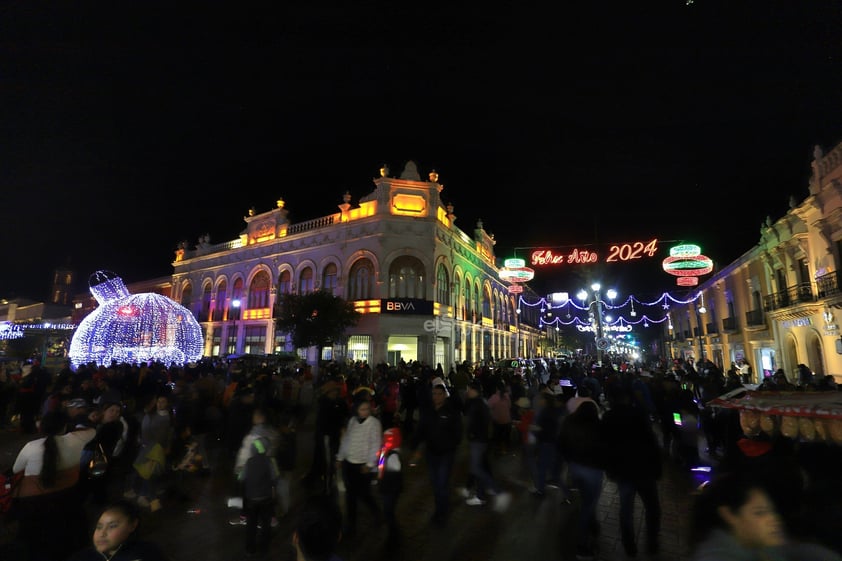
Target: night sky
x,y
127,131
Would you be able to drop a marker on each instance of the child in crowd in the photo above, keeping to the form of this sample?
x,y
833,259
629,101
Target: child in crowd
x,y
390,475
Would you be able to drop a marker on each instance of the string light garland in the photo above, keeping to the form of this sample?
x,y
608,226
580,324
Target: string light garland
x,y
134,328
621,321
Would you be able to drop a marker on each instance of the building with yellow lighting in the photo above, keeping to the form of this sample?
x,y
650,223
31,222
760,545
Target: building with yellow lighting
x,y
779,304
427,290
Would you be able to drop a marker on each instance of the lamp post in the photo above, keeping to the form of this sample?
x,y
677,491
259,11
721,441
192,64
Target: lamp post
x,y
595,311
700,311
235,303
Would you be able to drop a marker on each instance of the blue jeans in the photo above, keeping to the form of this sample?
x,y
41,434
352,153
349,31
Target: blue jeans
x,y
589,482
545,462
441,466
648,491
484,479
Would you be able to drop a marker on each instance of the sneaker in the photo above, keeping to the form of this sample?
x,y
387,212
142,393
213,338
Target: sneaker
x,y
238,521
463,492
143,502
475,501
502,502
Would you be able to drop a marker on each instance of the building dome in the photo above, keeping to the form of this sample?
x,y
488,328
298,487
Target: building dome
x,y
134,327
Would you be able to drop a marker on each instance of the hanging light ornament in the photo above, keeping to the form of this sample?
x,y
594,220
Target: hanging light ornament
x,y
687,263
134,328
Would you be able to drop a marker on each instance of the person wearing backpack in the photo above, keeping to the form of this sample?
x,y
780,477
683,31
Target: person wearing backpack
x,y
259,478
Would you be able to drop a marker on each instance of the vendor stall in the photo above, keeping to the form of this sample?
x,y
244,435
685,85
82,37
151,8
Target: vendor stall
x,y
808,416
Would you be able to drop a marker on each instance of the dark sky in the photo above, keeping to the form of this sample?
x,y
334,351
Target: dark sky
x,y
126,131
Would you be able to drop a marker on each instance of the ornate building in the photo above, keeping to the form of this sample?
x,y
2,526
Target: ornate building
x,y
778,305
427,290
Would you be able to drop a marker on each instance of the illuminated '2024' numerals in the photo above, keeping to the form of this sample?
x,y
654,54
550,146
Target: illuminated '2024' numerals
x,y
636,250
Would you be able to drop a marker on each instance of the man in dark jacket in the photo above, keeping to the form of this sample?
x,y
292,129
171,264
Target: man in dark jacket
x,y
634,462
478,425
440,431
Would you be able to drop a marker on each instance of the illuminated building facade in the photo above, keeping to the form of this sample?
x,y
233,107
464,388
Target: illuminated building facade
x,y
779,304
427,291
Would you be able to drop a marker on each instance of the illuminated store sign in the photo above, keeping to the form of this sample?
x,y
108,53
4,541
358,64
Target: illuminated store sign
x,y
411,306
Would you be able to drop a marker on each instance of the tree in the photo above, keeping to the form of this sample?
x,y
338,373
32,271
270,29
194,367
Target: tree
x,y
316,319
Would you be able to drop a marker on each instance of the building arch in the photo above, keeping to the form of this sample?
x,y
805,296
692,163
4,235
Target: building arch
x,y
815,354
442,285
259,290
361,282
407,278
207,299
305,277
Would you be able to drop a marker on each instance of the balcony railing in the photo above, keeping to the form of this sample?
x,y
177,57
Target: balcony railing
x,y
828,285
755,318
797,294
729,325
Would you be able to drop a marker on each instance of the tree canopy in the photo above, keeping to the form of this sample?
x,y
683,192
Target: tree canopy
x,y
315,319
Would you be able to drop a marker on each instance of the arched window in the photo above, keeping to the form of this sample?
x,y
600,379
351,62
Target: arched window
x,y
406,278
305,281
458,297
467,306
329,278
219,308
361,280
284,283
206,303
259,291
236,300
442,286
187,295
486,303
476,304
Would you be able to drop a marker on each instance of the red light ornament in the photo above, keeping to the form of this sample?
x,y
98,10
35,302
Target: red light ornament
x,y
687,263
515,271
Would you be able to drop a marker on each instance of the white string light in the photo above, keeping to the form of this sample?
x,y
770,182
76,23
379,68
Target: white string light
x,y
134,328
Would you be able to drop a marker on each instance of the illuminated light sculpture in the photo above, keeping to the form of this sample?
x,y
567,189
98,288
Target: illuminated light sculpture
x,y
687,263
515,271
134,328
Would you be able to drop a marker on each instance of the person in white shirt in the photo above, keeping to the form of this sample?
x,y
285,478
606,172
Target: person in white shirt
x,y
51,517
358,454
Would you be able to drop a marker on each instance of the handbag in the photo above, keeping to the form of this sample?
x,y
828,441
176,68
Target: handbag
x,y
98,464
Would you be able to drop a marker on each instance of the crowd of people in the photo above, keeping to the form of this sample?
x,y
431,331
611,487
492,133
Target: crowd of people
x,y
575,425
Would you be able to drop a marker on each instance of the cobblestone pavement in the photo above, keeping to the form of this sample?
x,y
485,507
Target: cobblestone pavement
x,y
194,521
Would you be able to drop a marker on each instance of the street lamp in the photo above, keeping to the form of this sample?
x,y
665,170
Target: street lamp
x,y
596,316
235,303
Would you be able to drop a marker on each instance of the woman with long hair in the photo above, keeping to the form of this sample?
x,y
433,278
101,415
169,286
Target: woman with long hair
x,y
51,516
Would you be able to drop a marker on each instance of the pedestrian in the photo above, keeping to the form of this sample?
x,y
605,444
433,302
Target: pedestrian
x,y
109,434
318,530
439,431
259,478
331,415
357,459
734,519
478,424
582,444
390,481
115,537
545,427
51,518
150,463
634,463
260,429
500,405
